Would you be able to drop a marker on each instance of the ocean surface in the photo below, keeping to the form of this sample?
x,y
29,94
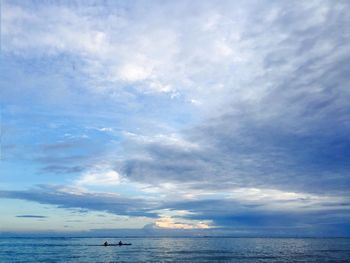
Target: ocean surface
x,y
175,250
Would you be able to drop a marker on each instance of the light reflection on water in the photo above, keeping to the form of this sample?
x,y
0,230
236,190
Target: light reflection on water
x,y
175,250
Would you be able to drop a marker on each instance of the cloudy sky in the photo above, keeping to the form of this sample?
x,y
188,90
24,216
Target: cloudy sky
x,y
195,115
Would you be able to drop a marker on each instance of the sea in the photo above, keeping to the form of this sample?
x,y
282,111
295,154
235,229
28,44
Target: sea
x,y
201,249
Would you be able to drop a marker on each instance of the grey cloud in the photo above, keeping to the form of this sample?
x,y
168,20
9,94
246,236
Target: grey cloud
x,y
292,131
231,213
69,157
31,216
70,198
62,146
63,169
253,155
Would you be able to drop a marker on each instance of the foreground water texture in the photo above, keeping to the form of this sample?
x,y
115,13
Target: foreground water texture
x,y
176,250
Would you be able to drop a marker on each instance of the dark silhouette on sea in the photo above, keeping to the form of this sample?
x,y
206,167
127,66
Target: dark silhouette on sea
x,y
120,243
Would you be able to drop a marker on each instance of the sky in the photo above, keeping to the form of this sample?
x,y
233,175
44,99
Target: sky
x,y
205,117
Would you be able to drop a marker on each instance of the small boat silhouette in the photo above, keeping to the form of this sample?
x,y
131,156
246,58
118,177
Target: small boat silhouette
x,y
106,244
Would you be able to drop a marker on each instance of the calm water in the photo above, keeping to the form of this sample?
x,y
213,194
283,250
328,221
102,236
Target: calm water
x,y
175,250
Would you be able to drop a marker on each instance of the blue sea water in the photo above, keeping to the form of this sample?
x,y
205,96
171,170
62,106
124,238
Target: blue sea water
x,y
175,250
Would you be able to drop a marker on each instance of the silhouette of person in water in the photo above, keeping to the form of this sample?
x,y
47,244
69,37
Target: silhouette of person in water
x,y
120,243
105,243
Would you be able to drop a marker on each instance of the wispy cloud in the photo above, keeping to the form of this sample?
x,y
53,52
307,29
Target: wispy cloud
x,y
30,216
69,197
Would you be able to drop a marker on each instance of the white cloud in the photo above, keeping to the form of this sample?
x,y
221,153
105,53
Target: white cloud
x,y
195,102
172,139
159,51
105,129
98,177
132,72
167,222
273,199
